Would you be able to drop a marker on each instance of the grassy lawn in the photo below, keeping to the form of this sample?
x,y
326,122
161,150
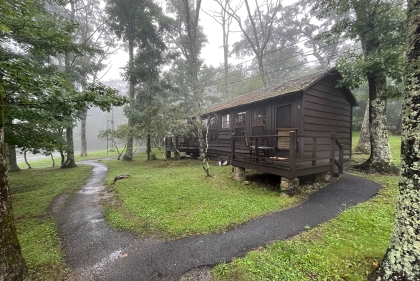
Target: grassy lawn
x,y
348,247
179,200
47,161
32,193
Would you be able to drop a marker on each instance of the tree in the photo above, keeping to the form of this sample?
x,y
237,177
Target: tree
x,y
93,30
12,264
402,259
224,20
363,145
377,25
136,22
258,30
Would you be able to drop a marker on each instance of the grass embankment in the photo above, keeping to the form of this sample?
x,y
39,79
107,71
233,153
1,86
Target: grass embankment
x,y
32,193
179,200
348,247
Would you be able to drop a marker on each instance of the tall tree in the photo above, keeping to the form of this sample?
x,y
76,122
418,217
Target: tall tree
x,y
378,26
402,259
135,22
259,28
93,31
224,19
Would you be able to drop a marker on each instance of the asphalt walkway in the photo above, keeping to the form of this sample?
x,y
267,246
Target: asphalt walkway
x,y
96,251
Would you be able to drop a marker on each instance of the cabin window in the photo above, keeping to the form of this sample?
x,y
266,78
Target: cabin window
x,y
240,122
225,121
284,116
213,129
258,120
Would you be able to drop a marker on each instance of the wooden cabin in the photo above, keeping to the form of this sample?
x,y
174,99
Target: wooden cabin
x,y
297,128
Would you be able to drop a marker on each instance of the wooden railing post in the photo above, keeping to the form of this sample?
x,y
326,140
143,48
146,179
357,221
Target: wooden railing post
x,y
232,148
257,154
292,154
340,156
313,151
332,152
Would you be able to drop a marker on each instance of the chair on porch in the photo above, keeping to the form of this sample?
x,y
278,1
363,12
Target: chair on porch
x,y
283,145
262,149
247,142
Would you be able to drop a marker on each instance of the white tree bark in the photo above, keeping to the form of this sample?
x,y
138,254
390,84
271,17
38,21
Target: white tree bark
x,y
363,145
402,260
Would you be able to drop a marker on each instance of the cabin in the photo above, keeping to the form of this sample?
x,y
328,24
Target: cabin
x,y
297,128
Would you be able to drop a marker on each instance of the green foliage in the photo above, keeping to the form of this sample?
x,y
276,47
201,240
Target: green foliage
x,y
377,28
39,99
178,200
37,231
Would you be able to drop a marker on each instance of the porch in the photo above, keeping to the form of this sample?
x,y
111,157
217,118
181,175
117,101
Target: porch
x,y
288,155
176,144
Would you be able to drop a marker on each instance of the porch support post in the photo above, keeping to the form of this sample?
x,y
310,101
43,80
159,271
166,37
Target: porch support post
x,y
238,173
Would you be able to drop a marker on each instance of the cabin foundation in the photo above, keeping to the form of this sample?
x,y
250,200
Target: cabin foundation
x,y
238,173
289,184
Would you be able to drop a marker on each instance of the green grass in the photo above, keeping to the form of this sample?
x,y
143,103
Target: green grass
x,y
32,193
179,200
348,247
47,161
394,143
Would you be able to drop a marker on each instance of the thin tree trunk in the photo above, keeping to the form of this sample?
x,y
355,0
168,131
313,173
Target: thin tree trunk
x,y
11,154
83,118
148,147
402,259
26,160
52,158
130,140
12,264
63,157
69,163
363,145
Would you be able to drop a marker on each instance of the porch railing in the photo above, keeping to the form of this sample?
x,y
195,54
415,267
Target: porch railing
x,y
298,155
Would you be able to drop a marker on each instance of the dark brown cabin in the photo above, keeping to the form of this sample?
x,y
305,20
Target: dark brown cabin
x,y
300,127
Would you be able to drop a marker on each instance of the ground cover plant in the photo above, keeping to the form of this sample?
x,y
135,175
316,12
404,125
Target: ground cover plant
x,y
32,193
348,247
179,200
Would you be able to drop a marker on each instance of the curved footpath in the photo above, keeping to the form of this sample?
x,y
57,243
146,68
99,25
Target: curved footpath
x,y
96,251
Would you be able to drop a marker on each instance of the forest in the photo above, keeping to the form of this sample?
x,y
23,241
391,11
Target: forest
x,y
56,56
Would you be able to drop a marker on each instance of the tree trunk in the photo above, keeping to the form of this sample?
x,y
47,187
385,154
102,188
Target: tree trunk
x,y
380,152
261,70
83,153
128,156
12,264
363,144
63,157
11,155
380,156
26,160
402,260
69,163
148,147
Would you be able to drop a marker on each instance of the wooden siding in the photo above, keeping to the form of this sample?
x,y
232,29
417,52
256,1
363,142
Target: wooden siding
x,y
326,109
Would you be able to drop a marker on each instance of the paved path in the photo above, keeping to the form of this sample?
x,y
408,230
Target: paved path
x,y
95,251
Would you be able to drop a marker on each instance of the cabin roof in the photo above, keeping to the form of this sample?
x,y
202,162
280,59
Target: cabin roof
x,y
291,86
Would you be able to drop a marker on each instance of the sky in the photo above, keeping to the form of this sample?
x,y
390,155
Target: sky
x,y
212,53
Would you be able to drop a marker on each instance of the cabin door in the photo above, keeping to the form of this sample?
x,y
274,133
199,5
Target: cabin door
x,y
284,116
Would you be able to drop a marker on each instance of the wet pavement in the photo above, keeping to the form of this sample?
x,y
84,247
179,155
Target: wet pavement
x,y
96,251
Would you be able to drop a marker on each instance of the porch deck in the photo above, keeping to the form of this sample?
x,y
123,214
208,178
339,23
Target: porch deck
x,y
177,144
325,154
